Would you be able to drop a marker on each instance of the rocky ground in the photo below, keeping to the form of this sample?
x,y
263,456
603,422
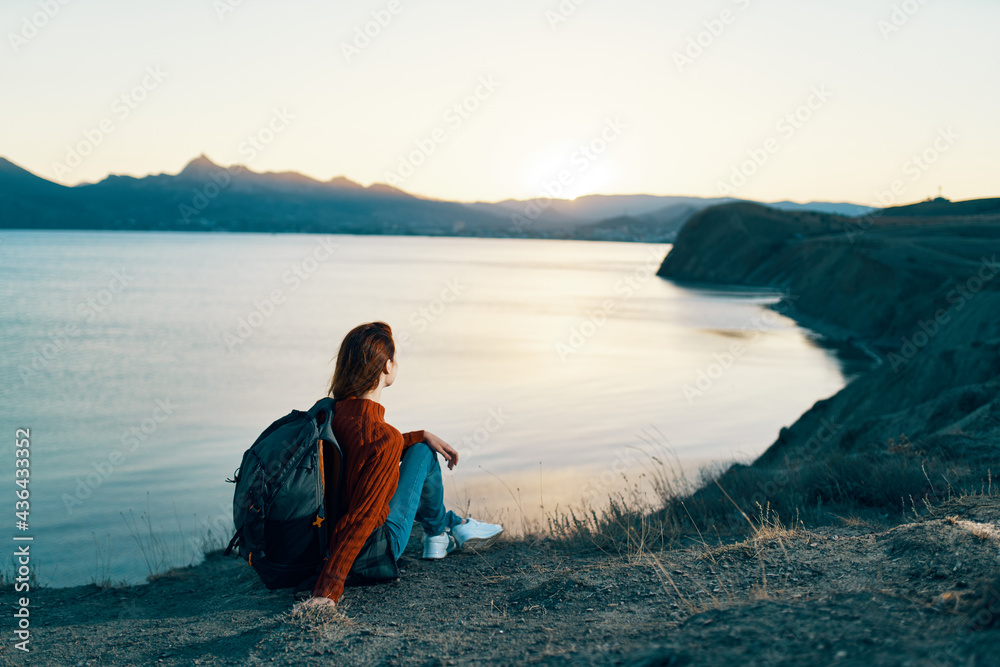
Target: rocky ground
x,y
920,593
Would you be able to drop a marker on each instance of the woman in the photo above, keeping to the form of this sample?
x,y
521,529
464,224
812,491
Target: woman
x,y
389,479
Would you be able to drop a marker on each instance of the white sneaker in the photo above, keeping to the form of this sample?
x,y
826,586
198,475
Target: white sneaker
x,y
476,534
437,547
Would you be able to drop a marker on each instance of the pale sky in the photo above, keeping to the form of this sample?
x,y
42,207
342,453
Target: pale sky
x,y
885,85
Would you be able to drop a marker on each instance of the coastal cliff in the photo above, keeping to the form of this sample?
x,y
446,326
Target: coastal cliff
x,y
919,288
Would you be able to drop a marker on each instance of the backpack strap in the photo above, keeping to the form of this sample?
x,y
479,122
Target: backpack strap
x,y
324,408
322,414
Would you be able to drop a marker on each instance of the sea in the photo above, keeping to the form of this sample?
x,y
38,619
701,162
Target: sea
x,y
137,367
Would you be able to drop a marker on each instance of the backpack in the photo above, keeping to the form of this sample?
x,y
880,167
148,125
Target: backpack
x,y
279,509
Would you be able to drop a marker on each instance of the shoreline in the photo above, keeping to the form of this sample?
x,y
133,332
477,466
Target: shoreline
x,y
838,336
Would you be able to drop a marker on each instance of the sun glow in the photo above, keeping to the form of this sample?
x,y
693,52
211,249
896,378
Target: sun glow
x,y
566,175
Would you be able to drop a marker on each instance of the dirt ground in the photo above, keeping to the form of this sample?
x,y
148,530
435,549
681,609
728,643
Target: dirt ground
x,y
853,594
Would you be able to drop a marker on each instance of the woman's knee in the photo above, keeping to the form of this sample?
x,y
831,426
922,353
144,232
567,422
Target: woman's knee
x,y
421,450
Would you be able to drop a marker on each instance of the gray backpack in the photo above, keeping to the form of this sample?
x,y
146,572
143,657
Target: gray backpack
x,y
279,510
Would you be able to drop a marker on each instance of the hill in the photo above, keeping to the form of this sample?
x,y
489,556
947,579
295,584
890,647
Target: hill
x,y
919,289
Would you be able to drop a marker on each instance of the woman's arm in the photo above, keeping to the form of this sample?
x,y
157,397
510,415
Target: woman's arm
x,y
443,448
435,443
411,438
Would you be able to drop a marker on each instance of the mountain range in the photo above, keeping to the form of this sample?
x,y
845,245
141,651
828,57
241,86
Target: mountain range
x,y
205,196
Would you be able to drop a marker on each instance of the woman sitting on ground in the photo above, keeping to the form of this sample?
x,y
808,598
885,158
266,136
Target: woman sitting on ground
x,y
389,479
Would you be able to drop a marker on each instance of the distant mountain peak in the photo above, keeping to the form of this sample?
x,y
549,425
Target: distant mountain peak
x,y
8,167
15,174
198,166
344,182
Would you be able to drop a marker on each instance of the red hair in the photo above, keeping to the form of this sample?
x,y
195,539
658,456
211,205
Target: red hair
x,y
361,360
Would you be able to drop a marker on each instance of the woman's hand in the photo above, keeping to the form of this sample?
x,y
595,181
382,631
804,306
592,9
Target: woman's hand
x,y
443,448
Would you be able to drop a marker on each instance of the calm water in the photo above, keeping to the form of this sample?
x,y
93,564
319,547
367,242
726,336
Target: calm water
x,y
145,364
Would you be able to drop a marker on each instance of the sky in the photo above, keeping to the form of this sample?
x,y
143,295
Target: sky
x,y
869,101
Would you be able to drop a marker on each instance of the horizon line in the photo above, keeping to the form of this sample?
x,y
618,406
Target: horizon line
x,y
237,165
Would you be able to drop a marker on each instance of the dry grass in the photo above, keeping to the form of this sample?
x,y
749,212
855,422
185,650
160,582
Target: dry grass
x,y
634,522
981,531
316,619
665,510
893,484
643,528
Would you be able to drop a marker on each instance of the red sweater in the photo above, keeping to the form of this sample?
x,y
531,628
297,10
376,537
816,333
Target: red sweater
x,y
372,450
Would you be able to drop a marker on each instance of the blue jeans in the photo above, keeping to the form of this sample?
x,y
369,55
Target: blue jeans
x,y
420,497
